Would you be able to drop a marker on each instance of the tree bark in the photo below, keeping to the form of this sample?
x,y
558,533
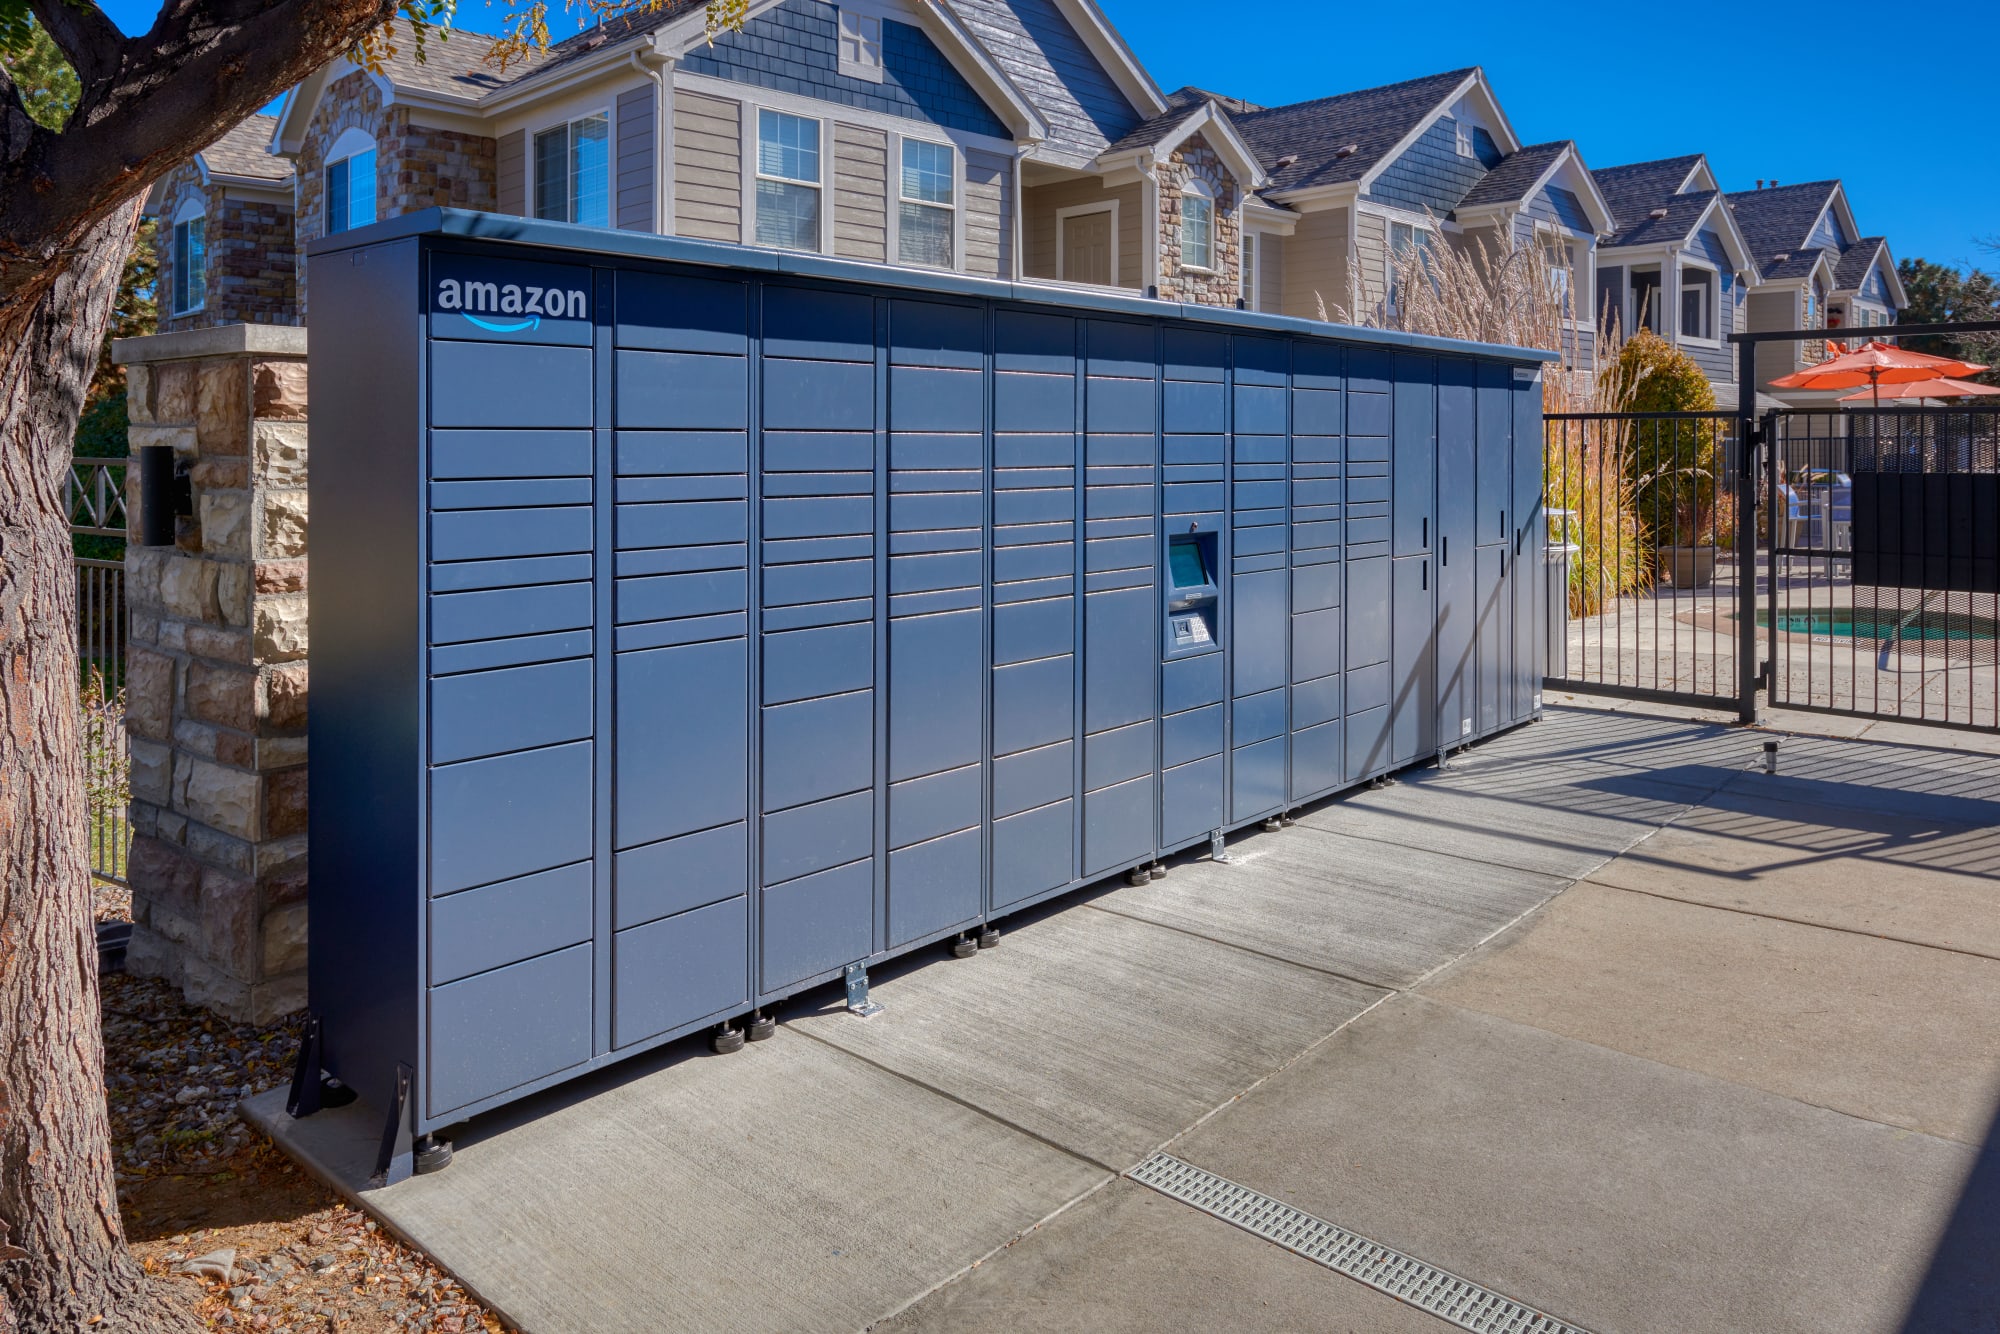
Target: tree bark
x,y
62,1241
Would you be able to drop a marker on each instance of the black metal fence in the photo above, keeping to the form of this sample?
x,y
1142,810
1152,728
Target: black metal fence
x,y
97,525
1645,511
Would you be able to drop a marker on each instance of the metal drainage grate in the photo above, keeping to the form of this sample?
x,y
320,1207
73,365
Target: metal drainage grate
x,y
1403,1277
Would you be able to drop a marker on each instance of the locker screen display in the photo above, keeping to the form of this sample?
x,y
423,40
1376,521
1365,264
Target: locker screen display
x,y
1184,563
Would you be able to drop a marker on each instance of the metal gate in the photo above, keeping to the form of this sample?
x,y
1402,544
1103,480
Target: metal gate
x,y
96,500
1651,550
1884,541
1838,560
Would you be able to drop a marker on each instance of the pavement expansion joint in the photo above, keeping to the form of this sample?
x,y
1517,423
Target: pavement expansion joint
x,y
1443,1294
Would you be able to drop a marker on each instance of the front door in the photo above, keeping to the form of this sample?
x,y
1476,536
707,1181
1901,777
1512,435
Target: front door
x,y
1086,248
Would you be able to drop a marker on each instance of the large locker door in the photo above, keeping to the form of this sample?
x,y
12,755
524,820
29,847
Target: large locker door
x,y
1367,506
1413,585
1318,700
1035,606
680,798
1121,615
1457,492
819,650
1495,566
1194,444
1530,539
937,617
1260,585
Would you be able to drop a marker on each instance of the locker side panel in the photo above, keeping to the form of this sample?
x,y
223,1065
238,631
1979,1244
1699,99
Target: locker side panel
x,y
1457,487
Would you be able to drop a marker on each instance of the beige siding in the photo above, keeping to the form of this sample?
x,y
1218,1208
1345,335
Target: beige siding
x,y
1315,265
1039,219
708,167
1271,273
1769,311
860,184
512,184
989,215
1371,261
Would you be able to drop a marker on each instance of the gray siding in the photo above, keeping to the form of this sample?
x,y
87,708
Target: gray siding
x,y
989,215
1709,246
1039,221
638,150
860,193
1055,71
1611,296
1717,363
795,48
511,176
1827,233
708,167
1429,173
1371,259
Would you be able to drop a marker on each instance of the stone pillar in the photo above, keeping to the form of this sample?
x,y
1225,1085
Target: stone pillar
x,y
216,670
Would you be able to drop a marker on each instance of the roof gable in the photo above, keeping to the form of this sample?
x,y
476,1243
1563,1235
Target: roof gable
x,y
1078,77
1548,180
1160,135
1634,190
1779,220
1375,121
244,153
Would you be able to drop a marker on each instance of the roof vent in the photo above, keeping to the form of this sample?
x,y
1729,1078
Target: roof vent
x,y
1760,182
1781,256
1347,150
1285,161
1774,184
1657,214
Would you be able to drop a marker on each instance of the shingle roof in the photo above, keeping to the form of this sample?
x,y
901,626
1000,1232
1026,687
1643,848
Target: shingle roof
x,y
1151,131
1637,188
1778,221
1192,96
1853,268
1517,173
246,151
457,66
1682,212
1374,120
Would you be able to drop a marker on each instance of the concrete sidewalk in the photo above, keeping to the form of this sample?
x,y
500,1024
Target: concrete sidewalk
x,y
1599,1017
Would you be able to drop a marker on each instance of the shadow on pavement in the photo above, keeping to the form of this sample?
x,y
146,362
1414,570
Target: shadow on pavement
x,y
1960,1293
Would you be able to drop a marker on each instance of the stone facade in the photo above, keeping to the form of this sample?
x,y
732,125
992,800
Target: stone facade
x,y
1195,160
216,671
252,260
416,166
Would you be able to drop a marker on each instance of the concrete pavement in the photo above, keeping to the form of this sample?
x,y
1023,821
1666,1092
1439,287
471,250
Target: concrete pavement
x,y
1735,1079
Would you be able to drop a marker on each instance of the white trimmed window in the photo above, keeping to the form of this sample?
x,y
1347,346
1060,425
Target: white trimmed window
x,y
926,204
573,171
788,180
1197,227
190,259
860,46
350,182
1252,243
1403,237
1697,303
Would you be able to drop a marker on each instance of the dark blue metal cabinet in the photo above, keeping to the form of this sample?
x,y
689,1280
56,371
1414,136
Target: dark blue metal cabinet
x,y
688,630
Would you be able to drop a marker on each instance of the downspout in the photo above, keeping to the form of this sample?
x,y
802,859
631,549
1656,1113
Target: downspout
x,y
1149,240
1019,264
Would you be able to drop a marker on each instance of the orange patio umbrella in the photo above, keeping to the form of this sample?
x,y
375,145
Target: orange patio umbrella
x,y
1941,387
1874,365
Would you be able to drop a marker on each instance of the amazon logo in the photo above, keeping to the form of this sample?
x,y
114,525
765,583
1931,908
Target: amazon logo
x,y
510,307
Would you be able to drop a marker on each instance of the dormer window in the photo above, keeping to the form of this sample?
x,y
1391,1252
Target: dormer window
x,y
1197,227
1464,139
860,46
190,252
350,182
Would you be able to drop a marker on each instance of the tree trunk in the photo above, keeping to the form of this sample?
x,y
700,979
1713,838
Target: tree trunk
x,y
62,1241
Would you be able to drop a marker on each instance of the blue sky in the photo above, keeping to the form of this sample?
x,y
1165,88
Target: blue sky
x,y
1933,193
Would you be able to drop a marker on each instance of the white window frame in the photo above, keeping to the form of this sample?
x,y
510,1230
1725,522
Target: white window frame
x,y
1418,230
1101,206
189,212
1712,307
753,120
897,199
854,34
1197,189
351,143
566,124
1582,285
1249,267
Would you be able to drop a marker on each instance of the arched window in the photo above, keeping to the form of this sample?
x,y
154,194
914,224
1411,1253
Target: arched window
x,y
190,258
350,181
1197,227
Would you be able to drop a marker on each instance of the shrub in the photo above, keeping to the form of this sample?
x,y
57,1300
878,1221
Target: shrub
x,y
1671,464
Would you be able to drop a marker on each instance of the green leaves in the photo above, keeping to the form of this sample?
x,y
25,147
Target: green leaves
x,y
47,85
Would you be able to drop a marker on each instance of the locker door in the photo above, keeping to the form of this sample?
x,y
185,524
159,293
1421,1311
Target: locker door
x,y
1492,634
1414,467
1530,537
1457,532
1413,661
1493,648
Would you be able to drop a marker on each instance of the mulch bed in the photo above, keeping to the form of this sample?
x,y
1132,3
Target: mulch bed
x,y
194,1181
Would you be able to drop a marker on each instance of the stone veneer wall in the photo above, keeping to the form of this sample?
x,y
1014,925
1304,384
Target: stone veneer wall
x,y
416,166
1194,159
252,263
216,672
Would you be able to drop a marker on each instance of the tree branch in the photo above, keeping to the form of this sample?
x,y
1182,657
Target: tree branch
x,y
90,41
